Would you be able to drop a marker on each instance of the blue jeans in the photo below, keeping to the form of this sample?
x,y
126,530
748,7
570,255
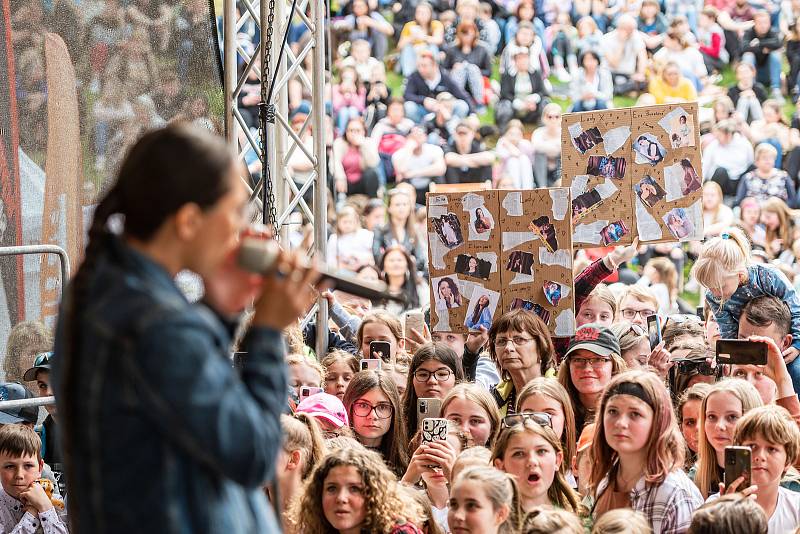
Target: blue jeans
x,y
408,58
581,105
794,372
768,73
416,112
343,117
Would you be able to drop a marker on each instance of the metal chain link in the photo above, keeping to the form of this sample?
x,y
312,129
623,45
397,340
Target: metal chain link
x,y
267,115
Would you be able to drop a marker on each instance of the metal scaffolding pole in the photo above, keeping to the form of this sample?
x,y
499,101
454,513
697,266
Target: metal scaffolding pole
x,y
291,190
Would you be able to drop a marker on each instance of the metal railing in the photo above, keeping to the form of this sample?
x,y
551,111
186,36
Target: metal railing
x,y
26,403
42,249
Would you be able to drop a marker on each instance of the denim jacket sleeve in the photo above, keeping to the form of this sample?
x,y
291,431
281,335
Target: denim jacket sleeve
x,y
728,323
774,282
228,419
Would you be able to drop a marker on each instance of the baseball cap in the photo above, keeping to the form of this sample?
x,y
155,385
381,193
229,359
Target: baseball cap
x,y
587,435
16,391
594,338
324,406
42,361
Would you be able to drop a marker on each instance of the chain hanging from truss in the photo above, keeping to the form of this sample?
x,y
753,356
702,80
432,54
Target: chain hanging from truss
x,y
266,115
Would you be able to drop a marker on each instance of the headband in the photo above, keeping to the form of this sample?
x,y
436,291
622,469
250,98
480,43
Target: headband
x,y
633,389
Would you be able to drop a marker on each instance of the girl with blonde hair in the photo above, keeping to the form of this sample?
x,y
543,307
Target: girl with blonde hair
x,y
716,215
638,454
340,367
352,490
484,500
544,395
777,219
473,408
303,448
726,269
723,405
531,452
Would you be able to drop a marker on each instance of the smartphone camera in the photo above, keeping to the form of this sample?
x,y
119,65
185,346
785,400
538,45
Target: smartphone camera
x,y
423,406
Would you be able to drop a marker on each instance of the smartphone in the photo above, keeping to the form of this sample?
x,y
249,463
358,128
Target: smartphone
x,y
700,311
380,349
741,352
435,429
307,391
427,409
737,464
414,320
370,364
654,330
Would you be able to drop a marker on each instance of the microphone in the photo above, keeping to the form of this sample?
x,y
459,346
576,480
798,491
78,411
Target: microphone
x,y
259,255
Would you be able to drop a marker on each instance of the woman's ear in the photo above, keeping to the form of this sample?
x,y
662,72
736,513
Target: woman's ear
x,y
293,460
559,459
501,515
498,463
188,221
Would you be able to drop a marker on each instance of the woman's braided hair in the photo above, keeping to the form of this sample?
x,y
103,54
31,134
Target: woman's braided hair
x,y
163,171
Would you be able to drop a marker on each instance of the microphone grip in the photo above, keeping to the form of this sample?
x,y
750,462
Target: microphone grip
x,y
259,256
355,287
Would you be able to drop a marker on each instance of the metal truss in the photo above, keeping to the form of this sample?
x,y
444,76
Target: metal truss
x,y
283,143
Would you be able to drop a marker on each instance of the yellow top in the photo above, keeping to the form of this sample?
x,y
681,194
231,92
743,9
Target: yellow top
x,y
666,94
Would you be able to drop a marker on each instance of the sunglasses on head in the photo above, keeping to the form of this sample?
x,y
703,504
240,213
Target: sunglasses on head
x,y
42,359
540,418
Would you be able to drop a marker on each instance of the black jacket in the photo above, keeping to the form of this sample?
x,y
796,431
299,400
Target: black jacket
x,y
508,86
770,41
417,90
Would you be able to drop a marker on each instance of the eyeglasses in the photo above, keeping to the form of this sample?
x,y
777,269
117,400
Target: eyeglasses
x,y
518,341
382,410
593,362
423,375
540,418
628,313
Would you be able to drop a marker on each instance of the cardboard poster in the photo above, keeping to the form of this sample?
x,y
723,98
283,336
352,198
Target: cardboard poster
x,y
633,172
492,251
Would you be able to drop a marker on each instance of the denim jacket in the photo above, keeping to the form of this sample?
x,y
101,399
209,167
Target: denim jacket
x,y
761,280
170,438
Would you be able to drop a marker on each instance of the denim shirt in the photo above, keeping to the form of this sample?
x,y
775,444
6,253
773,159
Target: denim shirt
x,y
170,437
761,280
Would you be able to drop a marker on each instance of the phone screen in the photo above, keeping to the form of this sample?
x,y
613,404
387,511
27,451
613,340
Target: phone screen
x,y
737,464
380,349
654,331
741,352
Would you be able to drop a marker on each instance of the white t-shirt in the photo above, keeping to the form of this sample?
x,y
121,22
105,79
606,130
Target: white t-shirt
x,y
786,517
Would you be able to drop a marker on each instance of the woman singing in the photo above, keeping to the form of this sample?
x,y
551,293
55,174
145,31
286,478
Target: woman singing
x,y
160,432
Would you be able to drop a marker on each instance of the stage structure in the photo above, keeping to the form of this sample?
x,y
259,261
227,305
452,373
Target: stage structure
x,y
278,193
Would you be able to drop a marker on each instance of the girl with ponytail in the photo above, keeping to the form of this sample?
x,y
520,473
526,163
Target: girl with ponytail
x,y
726,269
145,387
484,499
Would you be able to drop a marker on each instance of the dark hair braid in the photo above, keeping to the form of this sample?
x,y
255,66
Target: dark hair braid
x,y
163,171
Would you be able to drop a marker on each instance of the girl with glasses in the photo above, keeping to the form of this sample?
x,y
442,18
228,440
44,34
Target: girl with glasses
x,y
520,344
532,454
474,409
592,359
547,396
638,455
435,369
353,491
373,406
